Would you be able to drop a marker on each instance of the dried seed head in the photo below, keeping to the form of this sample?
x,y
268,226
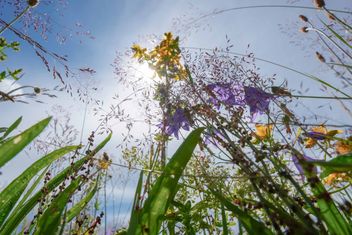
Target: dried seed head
x,y
303,18
304,29
36,90
319,3
33,3
331,16
320,57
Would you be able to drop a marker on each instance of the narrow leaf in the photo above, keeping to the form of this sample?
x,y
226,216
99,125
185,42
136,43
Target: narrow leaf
x,y
164,190
50,221
10,195
14,145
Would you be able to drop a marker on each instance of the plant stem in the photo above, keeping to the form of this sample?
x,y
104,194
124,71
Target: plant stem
x,y
15,19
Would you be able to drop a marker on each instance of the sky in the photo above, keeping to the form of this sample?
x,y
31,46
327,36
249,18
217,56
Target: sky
x,y
272,34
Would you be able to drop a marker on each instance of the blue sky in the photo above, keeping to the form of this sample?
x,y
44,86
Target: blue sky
x,y
117,24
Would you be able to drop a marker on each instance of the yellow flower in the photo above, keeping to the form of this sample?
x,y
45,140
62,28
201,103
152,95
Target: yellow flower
x,y
138,51
105,162
263,131
334,177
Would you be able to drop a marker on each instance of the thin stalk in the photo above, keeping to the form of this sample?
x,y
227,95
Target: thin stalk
x,y
15,19
333,42
279,65
218,12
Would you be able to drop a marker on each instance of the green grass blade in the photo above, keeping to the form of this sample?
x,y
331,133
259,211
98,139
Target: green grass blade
x,y
12,127
101,145
342,65
135,214
14,145
341,163
50,221
337,35
78,207
17,216
10,195
164,190
251,225
33,187
329,212
225,229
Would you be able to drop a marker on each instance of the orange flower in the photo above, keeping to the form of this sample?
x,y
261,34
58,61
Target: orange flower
x,y
344,147
309,142
334,177
319,133
263,131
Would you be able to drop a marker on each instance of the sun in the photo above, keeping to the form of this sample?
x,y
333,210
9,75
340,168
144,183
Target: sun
x,y
145,73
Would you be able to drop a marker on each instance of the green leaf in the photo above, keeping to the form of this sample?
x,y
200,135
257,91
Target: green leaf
x,y
50,221
164,190
251,225
78,207
14,145
17,216
12,127
10,195
135,214
341,163
329,212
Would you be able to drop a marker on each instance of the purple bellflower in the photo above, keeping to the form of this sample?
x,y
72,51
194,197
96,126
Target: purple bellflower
x,y
177,121
257,100
316,135
225,93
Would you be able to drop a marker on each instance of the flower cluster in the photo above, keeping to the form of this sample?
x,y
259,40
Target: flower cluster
x,y
174,122
229,94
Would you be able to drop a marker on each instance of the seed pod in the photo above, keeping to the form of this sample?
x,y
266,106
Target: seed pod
x,y
33,3
320,57
304,29
319,3
303,18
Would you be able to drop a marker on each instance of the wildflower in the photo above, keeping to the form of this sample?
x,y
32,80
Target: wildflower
x,y
344,147
257,100
334,178
263,131
138,51
225,93
105,162
319,133
177,121
299,167
303,18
